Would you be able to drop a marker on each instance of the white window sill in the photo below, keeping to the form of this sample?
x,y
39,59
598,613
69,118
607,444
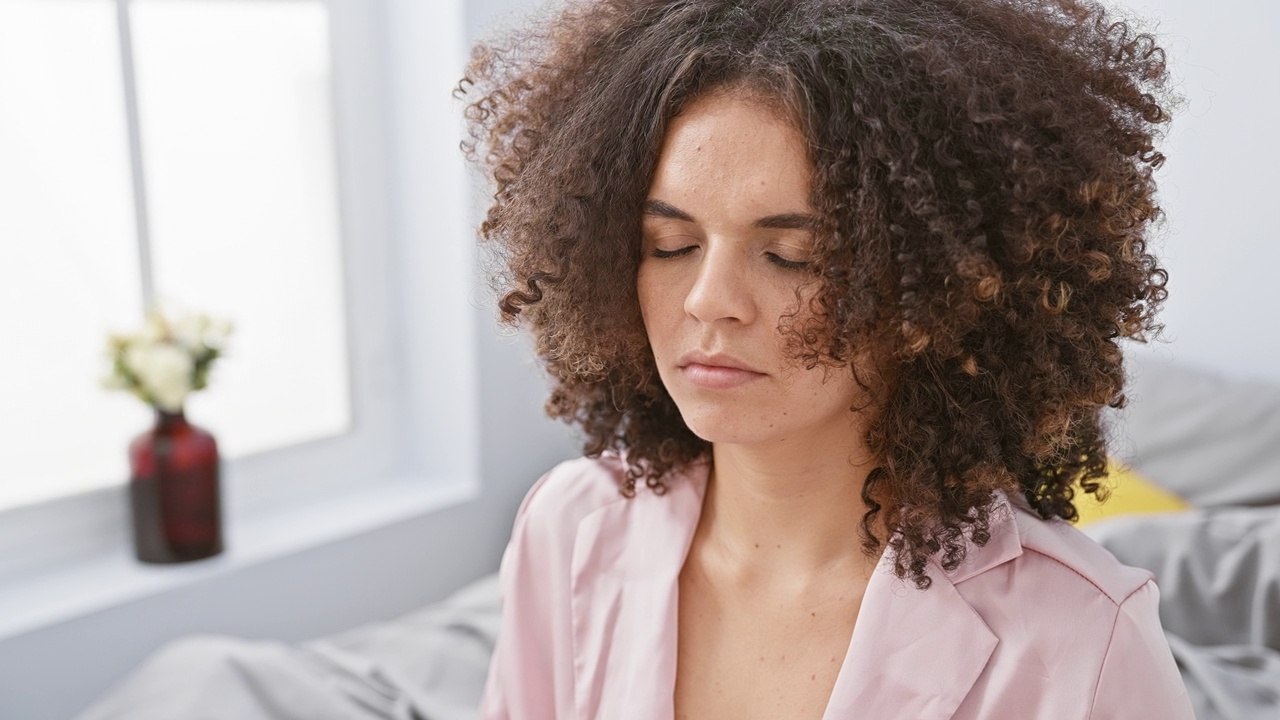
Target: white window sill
x,y
91,584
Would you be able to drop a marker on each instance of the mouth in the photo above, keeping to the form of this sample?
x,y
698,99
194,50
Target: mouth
x,y
717,371
716,361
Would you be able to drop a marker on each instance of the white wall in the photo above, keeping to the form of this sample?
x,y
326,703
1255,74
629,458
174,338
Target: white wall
x,y
1220,185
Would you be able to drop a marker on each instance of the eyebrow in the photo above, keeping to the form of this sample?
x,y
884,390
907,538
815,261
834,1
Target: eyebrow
x,y
781,221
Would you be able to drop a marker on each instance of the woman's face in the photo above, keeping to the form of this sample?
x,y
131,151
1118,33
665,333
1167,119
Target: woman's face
x,y
726,232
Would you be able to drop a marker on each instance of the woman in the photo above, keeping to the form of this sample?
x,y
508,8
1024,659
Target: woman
x,y
833,290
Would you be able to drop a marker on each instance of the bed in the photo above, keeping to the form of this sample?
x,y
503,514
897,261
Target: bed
x,y
1198,505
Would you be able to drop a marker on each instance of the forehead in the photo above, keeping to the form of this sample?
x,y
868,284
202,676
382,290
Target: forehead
x,y
732,152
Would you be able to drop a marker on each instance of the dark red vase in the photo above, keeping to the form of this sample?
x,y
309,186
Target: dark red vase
x,y
173,492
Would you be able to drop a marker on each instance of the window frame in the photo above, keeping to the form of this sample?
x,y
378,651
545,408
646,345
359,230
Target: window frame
x,y
402,186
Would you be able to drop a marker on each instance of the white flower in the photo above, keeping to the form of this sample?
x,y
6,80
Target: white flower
x,y
164,371
115,382
157,364
189,330
215,334
155,330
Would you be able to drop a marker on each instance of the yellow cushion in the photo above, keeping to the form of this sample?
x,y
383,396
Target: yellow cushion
x,y
1131,493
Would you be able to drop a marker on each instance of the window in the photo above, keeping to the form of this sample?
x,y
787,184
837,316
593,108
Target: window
x,y
230,205
290,165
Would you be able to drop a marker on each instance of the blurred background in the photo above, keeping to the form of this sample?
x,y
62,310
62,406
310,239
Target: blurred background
x,y
293,166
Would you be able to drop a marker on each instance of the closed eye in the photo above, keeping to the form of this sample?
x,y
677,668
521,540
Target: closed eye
x,y
788,264
672,253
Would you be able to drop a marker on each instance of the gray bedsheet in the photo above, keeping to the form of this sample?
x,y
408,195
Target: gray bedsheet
x,y
427,665
1218,570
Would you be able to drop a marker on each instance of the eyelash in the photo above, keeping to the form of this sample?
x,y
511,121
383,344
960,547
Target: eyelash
x,y
671,253
776,260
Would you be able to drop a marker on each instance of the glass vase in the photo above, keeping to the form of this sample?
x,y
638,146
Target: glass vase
x,y
174,491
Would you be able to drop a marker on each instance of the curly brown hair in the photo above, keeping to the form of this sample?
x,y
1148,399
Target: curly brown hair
x,y
984,174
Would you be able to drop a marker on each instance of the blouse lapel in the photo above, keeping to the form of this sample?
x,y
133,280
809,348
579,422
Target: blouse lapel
x,y
627,558
913,653
917,653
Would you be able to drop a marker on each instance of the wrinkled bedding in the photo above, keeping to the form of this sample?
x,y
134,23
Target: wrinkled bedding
x,y
1216,443
1218,570
427,665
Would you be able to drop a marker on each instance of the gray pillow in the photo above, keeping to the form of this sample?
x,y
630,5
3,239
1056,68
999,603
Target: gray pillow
x,y
1208,438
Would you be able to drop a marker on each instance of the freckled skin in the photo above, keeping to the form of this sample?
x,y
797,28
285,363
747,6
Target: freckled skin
x,y
710,279
727,162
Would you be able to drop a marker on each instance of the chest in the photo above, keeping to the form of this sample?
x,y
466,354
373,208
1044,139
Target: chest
x,y
755,656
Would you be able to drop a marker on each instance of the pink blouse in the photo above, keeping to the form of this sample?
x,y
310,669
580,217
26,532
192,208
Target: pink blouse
x,y
1041,622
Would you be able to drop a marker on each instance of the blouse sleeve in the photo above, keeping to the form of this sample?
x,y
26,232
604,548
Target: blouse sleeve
x,y
1139,677
520,683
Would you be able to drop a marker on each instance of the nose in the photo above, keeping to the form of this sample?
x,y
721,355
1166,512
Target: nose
x,y
721,287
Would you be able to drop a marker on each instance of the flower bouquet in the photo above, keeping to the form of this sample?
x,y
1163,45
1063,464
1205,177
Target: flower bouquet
x,y
175,467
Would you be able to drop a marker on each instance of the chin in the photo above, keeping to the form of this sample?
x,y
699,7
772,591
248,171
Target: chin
x,y
728,426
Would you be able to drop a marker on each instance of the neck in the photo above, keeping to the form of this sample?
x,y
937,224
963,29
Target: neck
x,y
785,513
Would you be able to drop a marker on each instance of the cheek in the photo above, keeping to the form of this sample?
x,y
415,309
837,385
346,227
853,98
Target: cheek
x,y
649,313
802,306
655,299
644,296
821,387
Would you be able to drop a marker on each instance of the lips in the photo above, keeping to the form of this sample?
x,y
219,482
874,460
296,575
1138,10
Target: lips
x,y
717,371
715,360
